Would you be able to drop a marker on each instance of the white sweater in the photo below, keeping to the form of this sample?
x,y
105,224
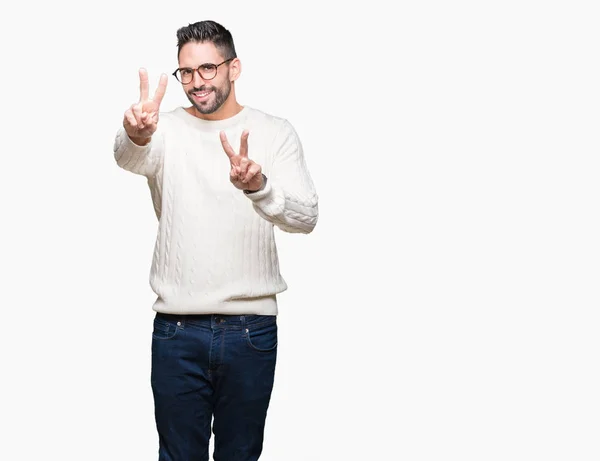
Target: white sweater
x,y
215,249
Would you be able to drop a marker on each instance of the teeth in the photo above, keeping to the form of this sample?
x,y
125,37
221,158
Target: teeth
x,y
202,94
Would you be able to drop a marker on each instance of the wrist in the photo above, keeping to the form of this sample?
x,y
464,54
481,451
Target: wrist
x,y
140,141
264,183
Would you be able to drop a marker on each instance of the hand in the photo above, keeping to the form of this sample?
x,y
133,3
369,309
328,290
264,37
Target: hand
x,y
245,174
141,119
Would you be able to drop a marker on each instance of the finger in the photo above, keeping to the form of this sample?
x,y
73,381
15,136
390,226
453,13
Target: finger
x,y
233,174
161,90
130,119
226,146
243,165
153,117
244,143
146,121
252,171
143,84
151,122
137,113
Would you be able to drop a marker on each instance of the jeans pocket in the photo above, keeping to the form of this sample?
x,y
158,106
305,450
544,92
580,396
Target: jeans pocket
x,y
163,329
262,337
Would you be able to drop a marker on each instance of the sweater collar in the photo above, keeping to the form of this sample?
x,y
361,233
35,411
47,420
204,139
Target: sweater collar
x,y
212,125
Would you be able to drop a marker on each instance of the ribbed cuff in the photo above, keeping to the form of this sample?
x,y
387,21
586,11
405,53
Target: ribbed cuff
x,y
257,195
125,144
133,147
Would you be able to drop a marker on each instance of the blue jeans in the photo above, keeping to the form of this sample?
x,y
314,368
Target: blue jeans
x,y
206,366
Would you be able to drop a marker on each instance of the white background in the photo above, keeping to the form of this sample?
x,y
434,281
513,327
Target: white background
x,y
446,305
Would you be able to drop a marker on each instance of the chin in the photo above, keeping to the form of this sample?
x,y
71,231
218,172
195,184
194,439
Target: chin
x,y
207,110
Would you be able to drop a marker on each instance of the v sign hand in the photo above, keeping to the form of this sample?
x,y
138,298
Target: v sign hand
x,y
141,119
245,174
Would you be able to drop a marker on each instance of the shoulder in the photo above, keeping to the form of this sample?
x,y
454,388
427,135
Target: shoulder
x,y
275,123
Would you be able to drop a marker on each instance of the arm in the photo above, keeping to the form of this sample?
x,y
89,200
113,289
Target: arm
x,y
289,199
138,145
145,159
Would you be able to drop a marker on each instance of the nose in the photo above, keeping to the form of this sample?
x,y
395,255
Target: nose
x,y
198,80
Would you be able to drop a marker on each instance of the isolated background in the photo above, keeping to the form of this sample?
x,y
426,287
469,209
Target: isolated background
x,y
446,305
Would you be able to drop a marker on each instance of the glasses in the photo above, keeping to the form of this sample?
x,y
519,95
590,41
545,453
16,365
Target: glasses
x,y
185,75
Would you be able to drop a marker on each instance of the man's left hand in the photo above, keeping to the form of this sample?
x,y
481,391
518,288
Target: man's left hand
x,y
245,174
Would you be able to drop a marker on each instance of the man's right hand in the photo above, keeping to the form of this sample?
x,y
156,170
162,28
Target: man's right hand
x,y
141,118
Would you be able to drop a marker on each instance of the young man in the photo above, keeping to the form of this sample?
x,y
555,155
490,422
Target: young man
x,y
221,176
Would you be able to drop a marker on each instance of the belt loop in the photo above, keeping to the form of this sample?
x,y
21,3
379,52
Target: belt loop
x,y
243,320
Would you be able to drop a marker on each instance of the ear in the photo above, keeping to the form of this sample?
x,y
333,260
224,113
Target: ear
x,y
235,69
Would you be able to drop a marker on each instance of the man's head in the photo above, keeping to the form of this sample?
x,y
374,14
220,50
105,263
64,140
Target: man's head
x,y
209,47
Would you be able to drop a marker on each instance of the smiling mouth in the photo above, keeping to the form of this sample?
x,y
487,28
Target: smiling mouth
x,y
201,94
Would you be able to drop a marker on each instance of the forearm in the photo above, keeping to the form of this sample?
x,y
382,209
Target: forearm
x,y
139,156
294,210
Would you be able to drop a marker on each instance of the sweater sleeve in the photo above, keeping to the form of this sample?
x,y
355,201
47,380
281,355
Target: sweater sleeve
x,y
143,160
289,199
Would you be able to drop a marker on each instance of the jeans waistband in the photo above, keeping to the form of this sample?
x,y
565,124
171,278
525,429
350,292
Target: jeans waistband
x,y
216,320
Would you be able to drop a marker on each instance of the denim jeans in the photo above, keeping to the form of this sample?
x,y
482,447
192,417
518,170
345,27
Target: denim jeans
x,y
206,366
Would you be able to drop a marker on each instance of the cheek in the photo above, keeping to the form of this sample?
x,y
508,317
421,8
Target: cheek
x,y
220,85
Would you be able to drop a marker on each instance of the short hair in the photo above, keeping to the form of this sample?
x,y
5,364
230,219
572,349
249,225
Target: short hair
x,y
207,31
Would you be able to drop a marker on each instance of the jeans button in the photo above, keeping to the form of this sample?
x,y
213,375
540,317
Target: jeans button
x,y
178,324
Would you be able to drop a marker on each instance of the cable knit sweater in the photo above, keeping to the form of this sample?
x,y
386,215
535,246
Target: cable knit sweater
x,y
215,249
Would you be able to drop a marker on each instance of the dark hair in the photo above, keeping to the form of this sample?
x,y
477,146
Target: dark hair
x,y
207,31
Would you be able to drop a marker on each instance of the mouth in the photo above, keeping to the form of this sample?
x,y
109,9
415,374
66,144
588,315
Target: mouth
x,y
201,95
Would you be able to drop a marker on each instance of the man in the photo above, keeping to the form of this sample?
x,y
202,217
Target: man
x,y
215,268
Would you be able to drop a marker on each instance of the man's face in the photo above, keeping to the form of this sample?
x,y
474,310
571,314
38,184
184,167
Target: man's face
x,y
206,95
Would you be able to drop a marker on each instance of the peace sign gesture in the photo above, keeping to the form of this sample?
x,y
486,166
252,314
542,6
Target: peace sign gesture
x,y
141,118
245,174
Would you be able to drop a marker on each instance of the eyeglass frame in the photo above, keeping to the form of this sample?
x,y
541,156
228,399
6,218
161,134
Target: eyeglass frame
x,y
174,74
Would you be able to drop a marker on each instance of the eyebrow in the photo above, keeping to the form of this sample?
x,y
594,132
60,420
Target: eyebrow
x,y
203,64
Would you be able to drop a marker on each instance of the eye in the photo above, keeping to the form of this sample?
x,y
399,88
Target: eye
x,y
207,67
186,72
